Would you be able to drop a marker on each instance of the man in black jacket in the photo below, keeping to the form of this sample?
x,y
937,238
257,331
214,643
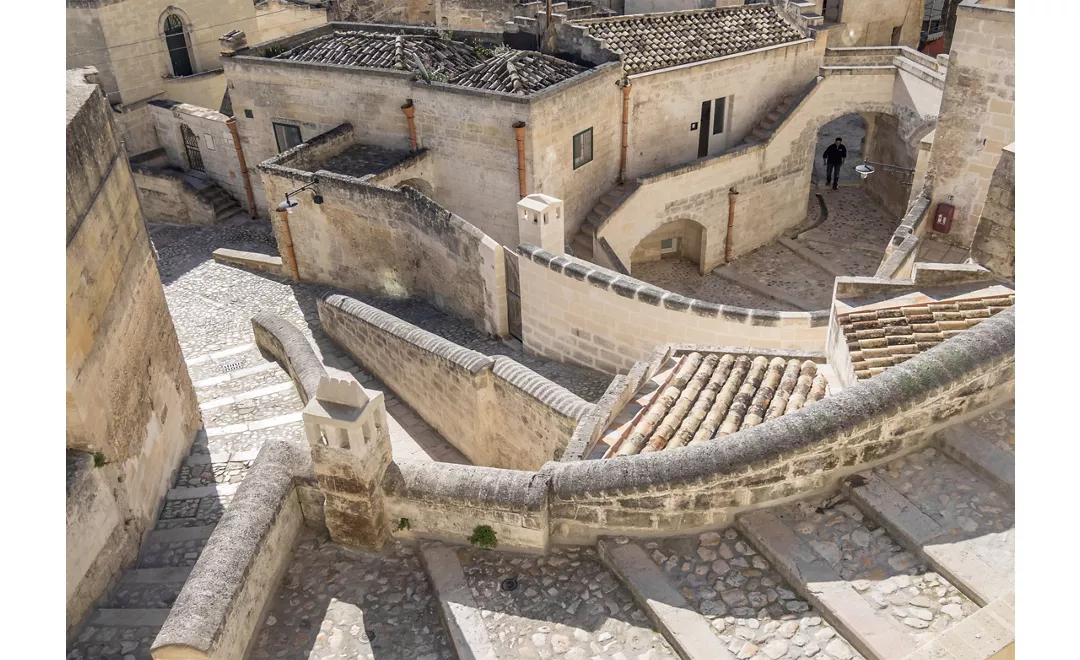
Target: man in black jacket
x,y
834,157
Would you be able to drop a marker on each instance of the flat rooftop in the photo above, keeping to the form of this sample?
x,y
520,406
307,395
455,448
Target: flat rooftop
x,y
466,64
649,42
360,160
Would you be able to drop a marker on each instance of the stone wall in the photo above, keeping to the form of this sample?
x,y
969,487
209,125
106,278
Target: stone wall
x,y
129,395
994,243
216,145
136,126
576,312
277,18
453,14
886,144
495,411
166,197
977,114
871,23
394,242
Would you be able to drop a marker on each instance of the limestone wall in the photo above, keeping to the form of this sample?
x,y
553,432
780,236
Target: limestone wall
x,y
886,144
871,23
496,412
394,242
129,395
166,197
577,312
216,146
994,245
977,114
277,18
664,104
136,128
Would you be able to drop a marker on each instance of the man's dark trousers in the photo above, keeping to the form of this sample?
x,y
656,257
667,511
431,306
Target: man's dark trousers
x,y
832,174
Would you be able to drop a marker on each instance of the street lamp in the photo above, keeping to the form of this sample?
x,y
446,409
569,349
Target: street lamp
x,y
289,204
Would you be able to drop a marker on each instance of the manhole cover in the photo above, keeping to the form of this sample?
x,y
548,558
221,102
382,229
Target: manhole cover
x,y
509,584
232,365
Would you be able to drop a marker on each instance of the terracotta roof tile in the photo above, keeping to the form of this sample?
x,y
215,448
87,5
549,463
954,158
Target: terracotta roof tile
x,y
513,71
657,41
884,338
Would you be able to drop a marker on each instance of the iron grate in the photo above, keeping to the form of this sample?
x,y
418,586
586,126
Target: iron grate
x,y
231,365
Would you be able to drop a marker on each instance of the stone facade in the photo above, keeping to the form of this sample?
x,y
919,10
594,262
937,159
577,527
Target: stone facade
x,y
129,396
977,114
875,22
994,245
165,196
497,412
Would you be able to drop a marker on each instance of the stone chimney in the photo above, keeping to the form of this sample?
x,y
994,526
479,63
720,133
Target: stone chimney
x,y
540,222
232,42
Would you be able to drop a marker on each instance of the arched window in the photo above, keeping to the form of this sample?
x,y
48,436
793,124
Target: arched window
x,y
177,44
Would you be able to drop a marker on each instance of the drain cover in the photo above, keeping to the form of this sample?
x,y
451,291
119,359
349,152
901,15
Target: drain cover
x,y
232,365
509,584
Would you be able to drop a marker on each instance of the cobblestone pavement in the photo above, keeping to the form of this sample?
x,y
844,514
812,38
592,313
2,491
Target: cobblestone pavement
x,y
754,611
998,426
193,476
193,512
852,128
891,579
339,603
113,643
172,553
964,505
776,266
681,276
566,605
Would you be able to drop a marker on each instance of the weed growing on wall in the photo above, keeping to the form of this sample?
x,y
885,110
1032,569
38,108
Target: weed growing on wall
x,y
274,51
483,536
99,459
403,525
479,49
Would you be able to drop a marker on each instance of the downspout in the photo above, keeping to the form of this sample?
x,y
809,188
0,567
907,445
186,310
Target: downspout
x,y
625,124
231,123
519,133
283,216
409,110
732,195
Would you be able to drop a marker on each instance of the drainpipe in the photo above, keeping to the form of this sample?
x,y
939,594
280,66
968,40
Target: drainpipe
x,y
625,123
283,216
409,111
519,133
732,195
231,123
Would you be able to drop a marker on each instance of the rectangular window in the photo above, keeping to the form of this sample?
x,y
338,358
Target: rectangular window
x,y
668,246
719,116
582,148
288,136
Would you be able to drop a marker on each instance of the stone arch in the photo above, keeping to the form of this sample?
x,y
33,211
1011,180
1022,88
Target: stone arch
x,y
419,185
175,33
682,238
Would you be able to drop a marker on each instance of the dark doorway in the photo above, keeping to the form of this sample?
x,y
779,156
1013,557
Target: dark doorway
x,y
191,146
176,42
513,294
703,129
895,39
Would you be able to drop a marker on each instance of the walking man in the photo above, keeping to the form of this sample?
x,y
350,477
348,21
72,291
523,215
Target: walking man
x,y
834,157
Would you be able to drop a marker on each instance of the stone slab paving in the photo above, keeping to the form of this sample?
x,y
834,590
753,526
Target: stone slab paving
x,y
336,603
894,581
229,472
851,261
565,605
997,427
940,252
776,266
262,407
193,512
757,614
681,276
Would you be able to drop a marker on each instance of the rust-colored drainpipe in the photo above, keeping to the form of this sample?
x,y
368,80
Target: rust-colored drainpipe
x,y
231,123
519,133
732,196
290,255
409,111
625,123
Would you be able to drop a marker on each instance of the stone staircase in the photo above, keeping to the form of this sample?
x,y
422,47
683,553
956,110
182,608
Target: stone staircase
x,y
911,560
213,195
769,122
245,399
584,240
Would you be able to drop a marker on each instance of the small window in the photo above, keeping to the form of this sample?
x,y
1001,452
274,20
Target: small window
x,y
288,136
667,246
249,114
719,116
582,148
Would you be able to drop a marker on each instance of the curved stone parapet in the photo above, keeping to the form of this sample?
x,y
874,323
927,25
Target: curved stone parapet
x,y
283,342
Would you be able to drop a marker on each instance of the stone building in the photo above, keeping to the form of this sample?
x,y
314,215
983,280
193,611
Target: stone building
x,y
148,49
131,410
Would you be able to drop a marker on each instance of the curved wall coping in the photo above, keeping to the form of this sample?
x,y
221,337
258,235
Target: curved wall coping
x,y
548,392
287,345
898,388
628,287
472,484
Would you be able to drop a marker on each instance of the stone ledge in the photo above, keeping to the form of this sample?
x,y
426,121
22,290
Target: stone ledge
x,y
262,263
474,485
551,394
283,342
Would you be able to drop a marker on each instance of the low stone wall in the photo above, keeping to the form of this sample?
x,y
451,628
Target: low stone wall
x,y
447,502
260,263
495,411
224,599
625,318
165,197
899,257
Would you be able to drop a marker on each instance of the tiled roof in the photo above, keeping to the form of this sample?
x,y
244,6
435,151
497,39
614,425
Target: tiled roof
x,y
657,41
518,72
705,396
883,338
513,71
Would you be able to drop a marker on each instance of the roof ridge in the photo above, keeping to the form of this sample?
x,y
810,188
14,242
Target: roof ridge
x,y
666,14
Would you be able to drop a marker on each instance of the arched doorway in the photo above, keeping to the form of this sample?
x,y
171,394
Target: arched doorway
x,y
177,44
851,129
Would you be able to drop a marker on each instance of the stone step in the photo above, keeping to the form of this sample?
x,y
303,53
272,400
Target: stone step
x,y
199,492
226,361
688,632
954,520
118,634
256,425
241,437
984,446
839,603
989,633
582,246
238,381
129,618
897,584
177,553
149,588
457,608
270,402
